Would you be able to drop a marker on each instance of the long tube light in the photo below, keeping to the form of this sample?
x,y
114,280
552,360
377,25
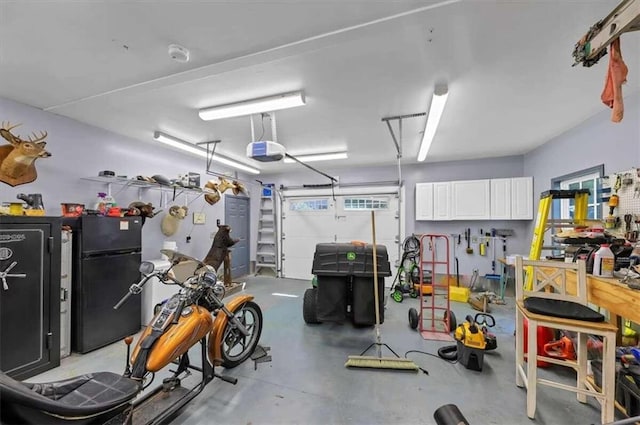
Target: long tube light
x,y
318,157
438,102
253,106
197,150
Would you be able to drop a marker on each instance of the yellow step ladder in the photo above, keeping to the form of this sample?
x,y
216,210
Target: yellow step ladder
x,y
543,223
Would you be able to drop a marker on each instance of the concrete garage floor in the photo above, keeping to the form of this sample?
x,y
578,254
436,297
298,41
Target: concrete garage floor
x,y
307,383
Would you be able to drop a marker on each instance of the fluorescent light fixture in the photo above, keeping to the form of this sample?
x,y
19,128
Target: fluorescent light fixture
x,y
254,106
200,151
438,101
318,157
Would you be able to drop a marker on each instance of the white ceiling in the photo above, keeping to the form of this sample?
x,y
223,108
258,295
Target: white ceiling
x,y
507,64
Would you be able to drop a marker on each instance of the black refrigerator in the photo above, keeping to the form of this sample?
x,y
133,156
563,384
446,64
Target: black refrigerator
x,y
106,258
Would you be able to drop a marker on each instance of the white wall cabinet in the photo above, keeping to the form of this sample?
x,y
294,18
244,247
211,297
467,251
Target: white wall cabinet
x,y
471,200
501,199
494,199
522,198
424,201
442,201
433,201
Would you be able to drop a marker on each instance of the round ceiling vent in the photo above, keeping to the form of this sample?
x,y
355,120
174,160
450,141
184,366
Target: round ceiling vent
x,y
179,53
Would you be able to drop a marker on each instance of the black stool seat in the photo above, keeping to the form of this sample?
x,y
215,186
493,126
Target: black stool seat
x,y
78,400
563,309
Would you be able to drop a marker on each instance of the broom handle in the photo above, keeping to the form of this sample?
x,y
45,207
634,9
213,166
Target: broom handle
x,y
376,297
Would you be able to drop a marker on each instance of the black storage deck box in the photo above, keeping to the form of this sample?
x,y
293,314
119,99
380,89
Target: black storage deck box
x,y
345,281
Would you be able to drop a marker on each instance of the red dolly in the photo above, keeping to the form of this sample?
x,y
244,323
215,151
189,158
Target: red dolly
x,y
435,320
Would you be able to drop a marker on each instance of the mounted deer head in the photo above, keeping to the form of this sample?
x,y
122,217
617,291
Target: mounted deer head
x,y
17,159
238,188
224,185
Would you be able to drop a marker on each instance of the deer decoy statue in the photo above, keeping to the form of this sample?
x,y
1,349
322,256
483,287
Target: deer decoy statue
x,y
18,157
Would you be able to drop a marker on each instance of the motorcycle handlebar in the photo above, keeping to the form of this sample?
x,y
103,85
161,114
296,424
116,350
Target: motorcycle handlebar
x,y
134,289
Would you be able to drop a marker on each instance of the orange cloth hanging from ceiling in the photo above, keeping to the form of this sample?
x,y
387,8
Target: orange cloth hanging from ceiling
x,y
616,77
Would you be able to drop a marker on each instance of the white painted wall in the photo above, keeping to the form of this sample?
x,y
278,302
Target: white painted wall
x,y
80,150
594,142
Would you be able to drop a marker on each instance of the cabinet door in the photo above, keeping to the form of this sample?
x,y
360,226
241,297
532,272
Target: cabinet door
x,y
501,199
424,201
522,198
24,298
471,200
104,280
442,201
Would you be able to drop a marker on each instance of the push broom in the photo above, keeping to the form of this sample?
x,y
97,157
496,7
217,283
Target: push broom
x,y
377,361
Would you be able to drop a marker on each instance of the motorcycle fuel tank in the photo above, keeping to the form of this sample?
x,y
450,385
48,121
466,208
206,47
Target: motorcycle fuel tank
x,y
195,322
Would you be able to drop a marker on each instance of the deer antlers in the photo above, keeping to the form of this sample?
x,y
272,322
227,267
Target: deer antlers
x,y
38,139
5,132
18,157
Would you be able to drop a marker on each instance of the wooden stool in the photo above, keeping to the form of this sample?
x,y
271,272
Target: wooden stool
x,y
560,310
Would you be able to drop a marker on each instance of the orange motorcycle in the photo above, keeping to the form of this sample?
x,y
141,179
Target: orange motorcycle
x,y
227,334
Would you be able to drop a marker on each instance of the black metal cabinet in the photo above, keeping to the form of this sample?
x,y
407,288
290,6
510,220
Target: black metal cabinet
x,y
29,295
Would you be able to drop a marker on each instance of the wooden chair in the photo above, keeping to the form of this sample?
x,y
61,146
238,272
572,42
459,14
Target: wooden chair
x,y
559,309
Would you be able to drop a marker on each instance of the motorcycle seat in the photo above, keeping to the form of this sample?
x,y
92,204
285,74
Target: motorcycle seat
x,y
77,400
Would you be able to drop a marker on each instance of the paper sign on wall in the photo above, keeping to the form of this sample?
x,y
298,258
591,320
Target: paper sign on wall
x,y
124,225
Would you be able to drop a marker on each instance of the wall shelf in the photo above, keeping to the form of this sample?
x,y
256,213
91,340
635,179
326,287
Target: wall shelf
x,y
141,186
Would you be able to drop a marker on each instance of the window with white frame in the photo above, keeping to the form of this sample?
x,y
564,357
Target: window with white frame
x,y
366,204
587,181
309,205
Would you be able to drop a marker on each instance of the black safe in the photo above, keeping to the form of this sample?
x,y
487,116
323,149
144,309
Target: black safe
x,y
29,295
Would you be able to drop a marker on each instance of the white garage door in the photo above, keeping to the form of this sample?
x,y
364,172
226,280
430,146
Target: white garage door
x,y
309,220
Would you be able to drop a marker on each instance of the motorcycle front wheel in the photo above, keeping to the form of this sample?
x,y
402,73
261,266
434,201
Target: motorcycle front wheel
x,y
236,347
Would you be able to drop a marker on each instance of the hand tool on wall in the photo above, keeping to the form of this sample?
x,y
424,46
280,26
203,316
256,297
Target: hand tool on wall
x,y
503,234
628,218
467,236
613,203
